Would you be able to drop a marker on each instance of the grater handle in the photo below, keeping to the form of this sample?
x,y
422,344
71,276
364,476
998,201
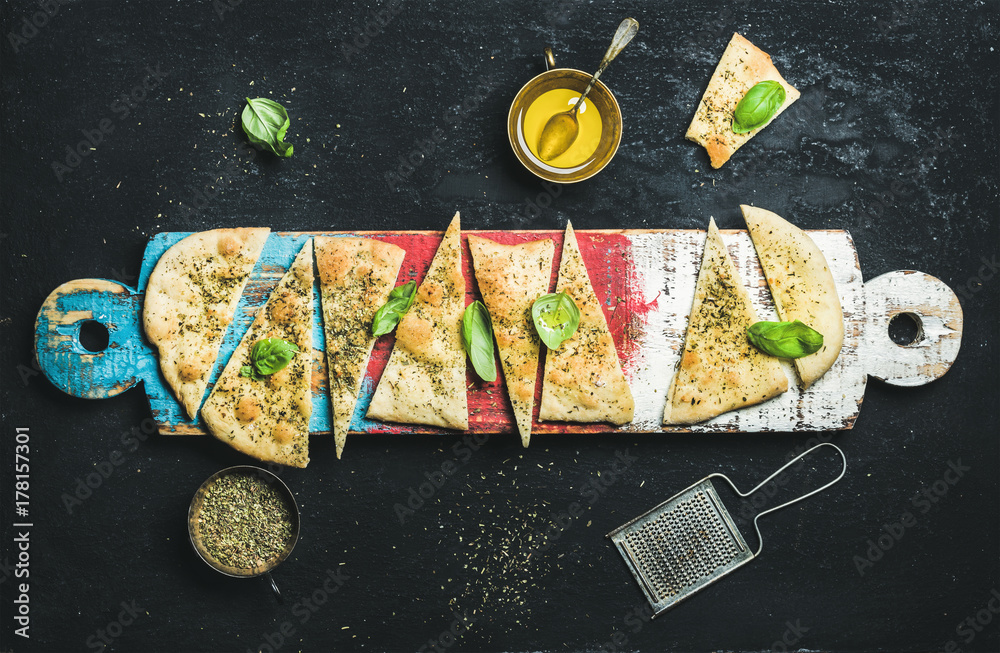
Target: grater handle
x,y
791,462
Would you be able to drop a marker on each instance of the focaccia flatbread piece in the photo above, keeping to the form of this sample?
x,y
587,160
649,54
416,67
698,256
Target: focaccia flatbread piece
x,y
190,300
424,380
583,379
719,369
356,276
511,278
269,419
801,285
742,66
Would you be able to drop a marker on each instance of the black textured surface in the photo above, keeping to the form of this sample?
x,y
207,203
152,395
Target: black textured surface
x,y
894,138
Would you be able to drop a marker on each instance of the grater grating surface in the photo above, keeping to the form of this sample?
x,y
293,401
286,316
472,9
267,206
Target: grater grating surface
x,y
682,545
690,541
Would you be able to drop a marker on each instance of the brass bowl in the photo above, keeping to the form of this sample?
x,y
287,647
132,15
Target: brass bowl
x,y
195,535
600,96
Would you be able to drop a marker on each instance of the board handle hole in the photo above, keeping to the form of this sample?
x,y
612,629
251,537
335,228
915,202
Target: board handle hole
x,y
906,329
94,336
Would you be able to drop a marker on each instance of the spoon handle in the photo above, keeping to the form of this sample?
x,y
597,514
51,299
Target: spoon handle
x,y
625,33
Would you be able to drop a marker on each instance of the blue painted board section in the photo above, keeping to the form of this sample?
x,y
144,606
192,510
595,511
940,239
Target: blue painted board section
x,y
77,371
279,252
130,358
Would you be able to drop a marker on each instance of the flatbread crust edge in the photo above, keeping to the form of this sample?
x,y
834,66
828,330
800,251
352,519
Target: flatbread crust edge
x,y
269,419
424,380
510,279
356,277
801,284
741,67
187,357
583,379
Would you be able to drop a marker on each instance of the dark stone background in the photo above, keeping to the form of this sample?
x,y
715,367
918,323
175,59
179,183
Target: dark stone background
x,y
895,139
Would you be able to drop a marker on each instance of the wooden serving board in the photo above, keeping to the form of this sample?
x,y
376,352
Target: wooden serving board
x,y
646,278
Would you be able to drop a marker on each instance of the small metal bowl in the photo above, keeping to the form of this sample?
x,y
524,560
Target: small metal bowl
x,y
574,80
195,535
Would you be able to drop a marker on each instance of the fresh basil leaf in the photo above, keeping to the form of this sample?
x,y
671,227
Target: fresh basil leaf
x,y
556,318
477,338
270,355
399,302
758,106
785,339
265,123
246,370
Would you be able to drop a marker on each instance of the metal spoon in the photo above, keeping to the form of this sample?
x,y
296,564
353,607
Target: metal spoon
x,y
562,129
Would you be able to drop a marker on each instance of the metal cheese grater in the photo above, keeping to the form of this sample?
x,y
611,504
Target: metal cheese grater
x,y
689,541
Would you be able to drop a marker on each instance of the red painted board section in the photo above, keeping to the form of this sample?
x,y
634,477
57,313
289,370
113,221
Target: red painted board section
x,y
607,255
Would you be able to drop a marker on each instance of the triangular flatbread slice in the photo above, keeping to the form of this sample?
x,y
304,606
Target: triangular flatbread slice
x,y
269,419
801,285
719,369
511,278
190,300
424,380
356,276
583,379
742,66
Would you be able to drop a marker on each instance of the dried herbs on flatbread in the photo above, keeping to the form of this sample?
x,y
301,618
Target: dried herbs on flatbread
x,y
801,285
583,379
719,369
268,417
356,276
190,300
424,380
511,278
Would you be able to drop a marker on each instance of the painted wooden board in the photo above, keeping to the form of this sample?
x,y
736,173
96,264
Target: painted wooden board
x,y
646,277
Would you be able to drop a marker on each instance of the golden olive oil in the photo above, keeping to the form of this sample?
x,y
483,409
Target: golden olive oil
x,y
556,101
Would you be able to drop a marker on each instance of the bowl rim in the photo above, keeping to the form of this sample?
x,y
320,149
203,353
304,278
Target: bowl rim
x,y
554,177
271,479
